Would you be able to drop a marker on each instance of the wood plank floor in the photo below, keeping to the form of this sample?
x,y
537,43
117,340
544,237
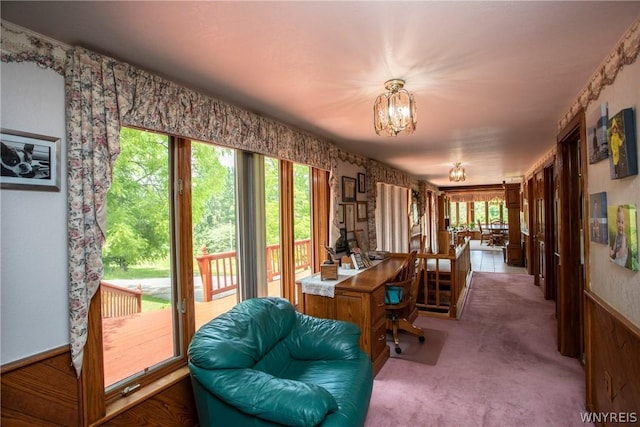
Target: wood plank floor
x,y
136,342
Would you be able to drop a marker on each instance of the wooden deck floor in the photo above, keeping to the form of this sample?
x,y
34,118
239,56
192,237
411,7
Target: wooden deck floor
x,y
133,343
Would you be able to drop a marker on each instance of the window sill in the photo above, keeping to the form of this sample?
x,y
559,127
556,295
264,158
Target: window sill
x,y
122,405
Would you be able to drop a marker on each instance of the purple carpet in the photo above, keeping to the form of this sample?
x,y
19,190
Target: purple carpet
x,y
498,366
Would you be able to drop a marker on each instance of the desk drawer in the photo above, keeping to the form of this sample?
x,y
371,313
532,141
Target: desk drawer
x,y
379,338
377,304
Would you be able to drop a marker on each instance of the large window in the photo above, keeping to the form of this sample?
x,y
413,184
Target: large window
x,y
459,215
170,254
468,214
213,213
302,219
479,213
139,291
272,224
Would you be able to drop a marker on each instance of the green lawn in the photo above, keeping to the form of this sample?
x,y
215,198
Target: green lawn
x,y
143,271
150,303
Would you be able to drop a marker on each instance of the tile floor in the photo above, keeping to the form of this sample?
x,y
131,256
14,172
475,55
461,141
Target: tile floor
x,y
488,259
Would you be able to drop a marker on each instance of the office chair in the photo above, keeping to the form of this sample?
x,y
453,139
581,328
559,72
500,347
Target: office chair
x,y
400,298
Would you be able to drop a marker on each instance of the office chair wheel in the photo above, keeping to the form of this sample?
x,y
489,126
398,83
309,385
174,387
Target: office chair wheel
x,y
421,338
398,350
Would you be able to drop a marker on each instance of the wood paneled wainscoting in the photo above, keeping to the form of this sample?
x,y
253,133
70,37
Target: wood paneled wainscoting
x,y
612,363
42,390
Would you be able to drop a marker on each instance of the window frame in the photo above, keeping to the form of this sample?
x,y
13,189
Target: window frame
x,y
95,402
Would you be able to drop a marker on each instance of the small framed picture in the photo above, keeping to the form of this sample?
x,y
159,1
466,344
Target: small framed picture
x,y
348,189
362,211
350,216
340,213
30,161
598,217
362,184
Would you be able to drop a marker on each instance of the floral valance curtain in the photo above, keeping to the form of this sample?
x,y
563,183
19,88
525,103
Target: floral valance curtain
x,y
152,102
477,196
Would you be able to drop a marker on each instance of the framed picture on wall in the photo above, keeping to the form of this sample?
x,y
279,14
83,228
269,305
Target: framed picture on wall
x,y
621,136
623,236
340,213
598,220
362,211
350,216
597,134
348,189
30,161
362,184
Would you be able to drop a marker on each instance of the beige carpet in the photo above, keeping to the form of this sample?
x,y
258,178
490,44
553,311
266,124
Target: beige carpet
x,y
426,352
499,367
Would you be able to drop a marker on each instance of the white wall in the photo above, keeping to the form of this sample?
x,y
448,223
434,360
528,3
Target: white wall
x,y
618,286
33,233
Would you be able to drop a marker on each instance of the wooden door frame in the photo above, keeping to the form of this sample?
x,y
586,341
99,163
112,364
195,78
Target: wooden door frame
x,y
549,234
572,273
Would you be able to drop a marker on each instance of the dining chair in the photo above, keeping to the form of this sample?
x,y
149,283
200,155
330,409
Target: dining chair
x,y
484,234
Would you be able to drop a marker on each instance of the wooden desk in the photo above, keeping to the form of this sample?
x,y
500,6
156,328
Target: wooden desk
x,y
360,300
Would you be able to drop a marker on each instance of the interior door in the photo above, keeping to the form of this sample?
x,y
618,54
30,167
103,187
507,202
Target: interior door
x,y
571,275
540,232
549,235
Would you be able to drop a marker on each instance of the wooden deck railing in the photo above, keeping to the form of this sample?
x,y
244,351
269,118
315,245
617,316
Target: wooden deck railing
x,y
118,301
218,270
444,286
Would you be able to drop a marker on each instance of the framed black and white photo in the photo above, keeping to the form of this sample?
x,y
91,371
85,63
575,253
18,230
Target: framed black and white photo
x,y
362,184
30,161
348,189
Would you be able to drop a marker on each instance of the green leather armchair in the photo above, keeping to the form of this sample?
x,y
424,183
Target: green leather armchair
x,y
264,364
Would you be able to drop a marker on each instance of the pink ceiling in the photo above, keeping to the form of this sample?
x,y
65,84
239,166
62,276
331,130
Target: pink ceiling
x,y
491,79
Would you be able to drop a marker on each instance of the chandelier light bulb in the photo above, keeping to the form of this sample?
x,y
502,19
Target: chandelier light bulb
x,y
395,110
457,173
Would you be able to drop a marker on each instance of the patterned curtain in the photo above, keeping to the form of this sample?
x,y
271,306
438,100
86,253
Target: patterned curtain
x,y
93,129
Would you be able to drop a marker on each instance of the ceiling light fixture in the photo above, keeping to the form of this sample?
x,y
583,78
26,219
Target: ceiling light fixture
x,y
457,174
395,110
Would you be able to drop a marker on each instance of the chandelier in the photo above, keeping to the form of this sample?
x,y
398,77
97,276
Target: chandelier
x,y
395,110
457,174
